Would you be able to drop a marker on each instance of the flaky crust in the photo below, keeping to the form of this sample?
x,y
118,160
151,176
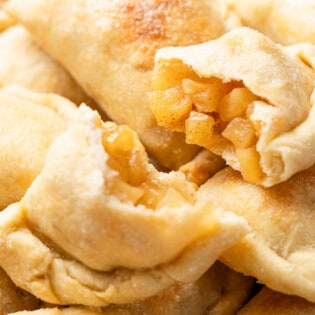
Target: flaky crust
x,y
279,252
286,110
284,21
109,48
24,63
13,299
271,302
29,123
95,226
218,291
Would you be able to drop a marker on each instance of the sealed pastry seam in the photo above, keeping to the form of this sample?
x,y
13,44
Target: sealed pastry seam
x,y
101,202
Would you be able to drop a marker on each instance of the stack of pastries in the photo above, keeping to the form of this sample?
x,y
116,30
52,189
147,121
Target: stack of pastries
x,y
157,157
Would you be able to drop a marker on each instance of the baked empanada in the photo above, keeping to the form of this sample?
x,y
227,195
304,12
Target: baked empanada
x,y
100,225
284,21
109,47
12,298
218,291
279,251
271,302
243,97
24,63
28,124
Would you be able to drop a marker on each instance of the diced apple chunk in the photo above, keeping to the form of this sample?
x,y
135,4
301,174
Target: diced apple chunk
x,y
240,132
205,95
199,129
170,74
171,107
235,103
249,164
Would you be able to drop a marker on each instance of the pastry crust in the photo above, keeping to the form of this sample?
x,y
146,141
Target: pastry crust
x,y
14,299
284,21
24,63
109,47
95,226
277,120
271,302
279,252
29,123
218,291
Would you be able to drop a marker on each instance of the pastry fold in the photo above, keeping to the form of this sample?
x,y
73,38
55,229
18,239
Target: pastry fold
x,y
218,291
279,251
24,63
29,122
13,299
109,47
284,21
271,302
243,97
100,225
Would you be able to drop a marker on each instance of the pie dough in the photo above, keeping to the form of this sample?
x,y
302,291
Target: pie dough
x,y
271,302
100,225
13,299
109,47
29,122
219,291
284,21
279,251
24,63
218,94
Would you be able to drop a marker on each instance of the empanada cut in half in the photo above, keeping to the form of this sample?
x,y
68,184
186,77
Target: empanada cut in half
x,y
14,299
100,225
279,251
242,97
272,302
29,122
220,290
285,21
109,48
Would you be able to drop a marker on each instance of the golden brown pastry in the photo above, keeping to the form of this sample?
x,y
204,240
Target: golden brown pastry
x,y
28,124
100,225
279,251
270,302
5,20
109,47
258,116
218,291
23,62
285,21
14,299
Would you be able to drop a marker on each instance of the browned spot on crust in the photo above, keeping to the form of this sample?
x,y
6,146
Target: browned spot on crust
x,y
151,24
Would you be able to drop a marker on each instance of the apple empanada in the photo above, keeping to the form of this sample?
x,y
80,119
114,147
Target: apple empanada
x,y
243,97
12,298
271,302
218,291
24,63
279,251
284,21
109,47
101,225
28,124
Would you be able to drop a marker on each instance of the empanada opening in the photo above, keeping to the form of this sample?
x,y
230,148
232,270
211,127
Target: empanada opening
x,y
212,113
138,182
